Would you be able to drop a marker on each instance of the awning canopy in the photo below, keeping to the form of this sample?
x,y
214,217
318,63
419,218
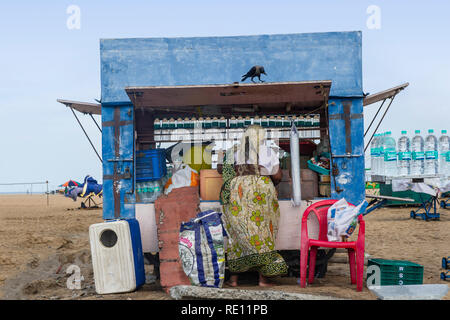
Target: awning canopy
x,y
383,95
86,108
83,107
232,98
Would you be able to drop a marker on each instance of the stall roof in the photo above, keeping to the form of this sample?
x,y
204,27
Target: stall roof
x,y
386,94
83,107
335,56
280,95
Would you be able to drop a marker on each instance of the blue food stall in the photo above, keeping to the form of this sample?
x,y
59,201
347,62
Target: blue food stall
x,y
146,78
313,77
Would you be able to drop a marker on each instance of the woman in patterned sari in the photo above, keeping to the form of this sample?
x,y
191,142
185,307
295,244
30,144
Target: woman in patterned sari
x,y
251,210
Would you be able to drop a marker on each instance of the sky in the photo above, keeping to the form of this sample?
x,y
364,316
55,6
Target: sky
x,y
43,59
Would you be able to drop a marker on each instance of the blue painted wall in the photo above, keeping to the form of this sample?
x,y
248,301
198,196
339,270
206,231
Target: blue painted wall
x,y
332,56
116,160
351,169
335,56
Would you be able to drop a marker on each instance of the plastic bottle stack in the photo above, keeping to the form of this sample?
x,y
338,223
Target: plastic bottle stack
x,y
198,129
187,128
316,124
143,191
390,156
186,123
380,165
257,121
264,122
308,124
247,121
154,190
277,134
286,126
418,155
157,129
375,155
300,124
172,130
240,126
431,154
297,122
179,128
404,155
223,124
165,132
444,154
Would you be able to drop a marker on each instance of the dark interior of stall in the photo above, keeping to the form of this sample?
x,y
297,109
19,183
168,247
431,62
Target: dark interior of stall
x,y
165,127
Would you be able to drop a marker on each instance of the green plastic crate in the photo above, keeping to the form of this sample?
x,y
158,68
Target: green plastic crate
x,y
394,272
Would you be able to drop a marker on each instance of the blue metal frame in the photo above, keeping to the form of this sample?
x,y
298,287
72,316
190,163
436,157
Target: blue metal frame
x,y
444,203
427,210
375,205
446,266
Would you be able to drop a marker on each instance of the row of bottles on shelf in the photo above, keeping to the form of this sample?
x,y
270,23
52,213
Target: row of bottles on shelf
x,y
165,129
411,157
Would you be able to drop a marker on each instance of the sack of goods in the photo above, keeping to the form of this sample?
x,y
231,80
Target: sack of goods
x,y
201,249
185,176
342,219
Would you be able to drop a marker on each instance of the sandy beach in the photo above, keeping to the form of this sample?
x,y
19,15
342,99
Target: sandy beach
x,y
39,242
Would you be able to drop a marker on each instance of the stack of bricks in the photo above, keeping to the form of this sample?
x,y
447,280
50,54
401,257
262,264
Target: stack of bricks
x,y
180,205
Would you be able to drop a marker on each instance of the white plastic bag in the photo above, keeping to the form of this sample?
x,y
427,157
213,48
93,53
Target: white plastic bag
x,y
185,176
343,219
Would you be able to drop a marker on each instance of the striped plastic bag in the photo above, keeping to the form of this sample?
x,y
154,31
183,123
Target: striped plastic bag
x,y
201,249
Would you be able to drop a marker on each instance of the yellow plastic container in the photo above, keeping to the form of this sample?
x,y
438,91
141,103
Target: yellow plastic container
x,y
210,184
198,158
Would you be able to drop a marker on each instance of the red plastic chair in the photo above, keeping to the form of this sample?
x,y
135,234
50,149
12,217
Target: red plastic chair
x,y
320,209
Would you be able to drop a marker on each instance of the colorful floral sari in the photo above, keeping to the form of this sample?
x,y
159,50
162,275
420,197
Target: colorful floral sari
x,y
228,174
251,219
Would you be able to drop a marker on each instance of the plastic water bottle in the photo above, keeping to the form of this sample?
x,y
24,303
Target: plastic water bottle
x,y
380,165
140,188
390,156
151,191
431,154
447,163
375,154
148,191
418,155
444,149
404,155
157,190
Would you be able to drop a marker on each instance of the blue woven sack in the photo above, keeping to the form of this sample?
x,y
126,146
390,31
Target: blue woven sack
x,y
201,249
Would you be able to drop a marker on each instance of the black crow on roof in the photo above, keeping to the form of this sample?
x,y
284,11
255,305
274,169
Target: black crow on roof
x,y
255,71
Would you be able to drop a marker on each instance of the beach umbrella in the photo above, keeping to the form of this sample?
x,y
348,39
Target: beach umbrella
x,y
70,183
